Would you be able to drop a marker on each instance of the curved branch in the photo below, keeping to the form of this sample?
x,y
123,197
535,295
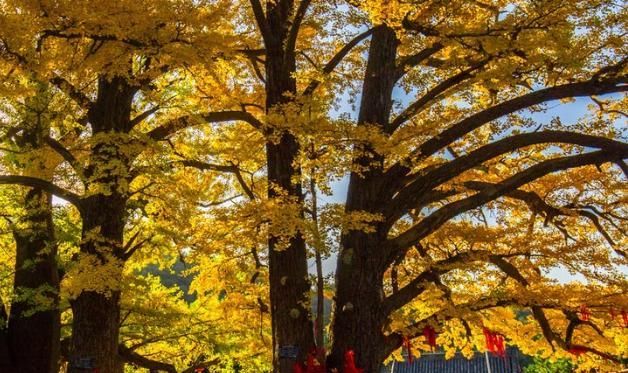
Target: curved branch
x,y
418,106
166,130
132,357
441,216
435,177
44,185
581,89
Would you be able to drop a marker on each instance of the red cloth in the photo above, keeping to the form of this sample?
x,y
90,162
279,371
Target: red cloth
x,y
408,347
297,368
577,350
430,336
495,342
313,365
350,363
585,314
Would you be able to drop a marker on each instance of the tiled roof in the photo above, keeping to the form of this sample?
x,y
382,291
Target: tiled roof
x,y
436,363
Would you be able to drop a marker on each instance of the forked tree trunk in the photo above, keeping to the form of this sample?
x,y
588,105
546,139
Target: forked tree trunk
x,y
34,329
358,318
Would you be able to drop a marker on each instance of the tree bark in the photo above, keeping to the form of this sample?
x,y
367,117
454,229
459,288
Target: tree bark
x,y
34,329
359,318
289,282
96,312
5,360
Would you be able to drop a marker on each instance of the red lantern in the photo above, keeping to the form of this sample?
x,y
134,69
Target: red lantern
x,y
585,314
350,363
430,336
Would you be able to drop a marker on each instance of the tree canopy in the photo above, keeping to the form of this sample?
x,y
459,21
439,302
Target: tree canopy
x,y
177,176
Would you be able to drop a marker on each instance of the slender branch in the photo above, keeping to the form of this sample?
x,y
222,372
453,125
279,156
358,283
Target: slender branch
x,y
416,59
232,168
538,205
296,24
45,185
133,357
142,116
539,315
418,106
336,59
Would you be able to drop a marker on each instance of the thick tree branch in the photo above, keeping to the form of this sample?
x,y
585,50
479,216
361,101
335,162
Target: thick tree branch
x,y
45,185
442,215
169,129
75,94
260,18
441,174
336,59
460,129
60,149
132,357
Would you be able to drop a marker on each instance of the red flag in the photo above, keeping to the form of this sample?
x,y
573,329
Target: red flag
x,y
495,342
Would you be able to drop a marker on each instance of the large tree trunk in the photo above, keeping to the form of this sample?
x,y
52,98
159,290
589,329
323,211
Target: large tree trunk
x,y
358,319
289,282
34,329
96,311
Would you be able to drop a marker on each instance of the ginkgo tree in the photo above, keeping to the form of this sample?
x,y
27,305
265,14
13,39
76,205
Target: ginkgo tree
x,y
462,194
113,69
